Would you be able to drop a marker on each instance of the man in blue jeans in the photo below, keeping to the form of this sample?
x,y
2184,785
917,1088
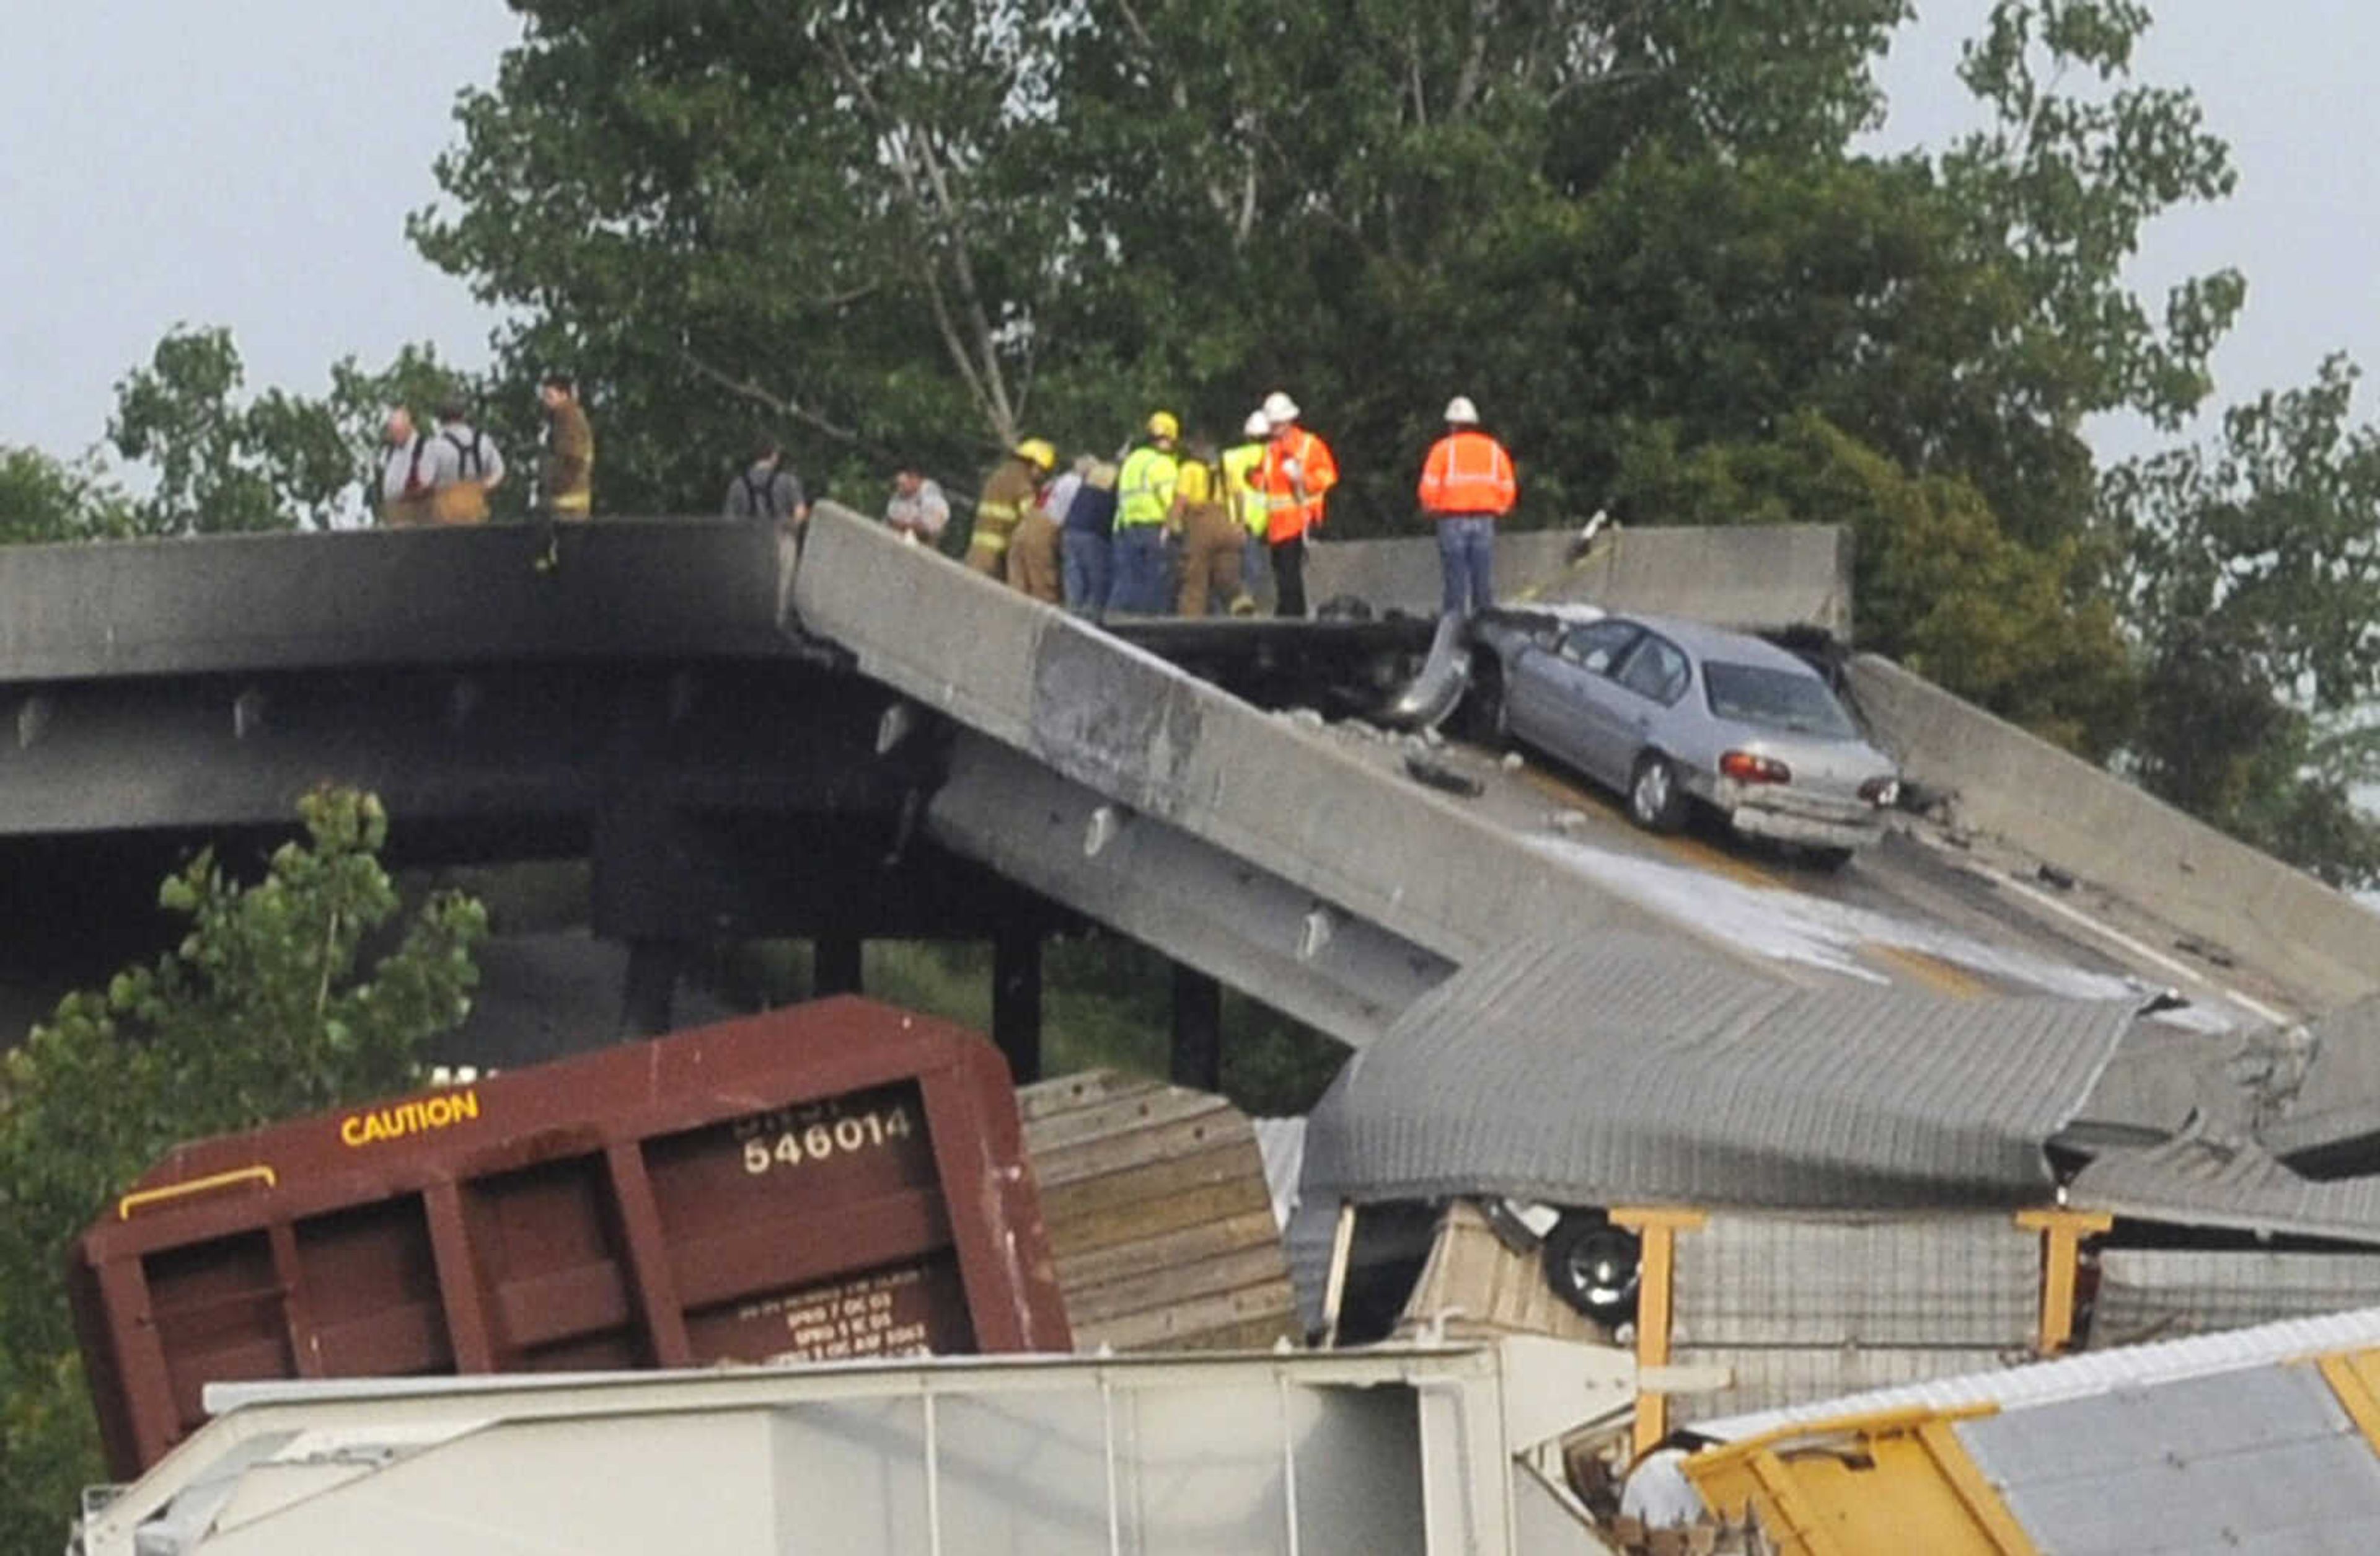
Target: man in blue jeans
x,y
1147,512
1089,523
1466,485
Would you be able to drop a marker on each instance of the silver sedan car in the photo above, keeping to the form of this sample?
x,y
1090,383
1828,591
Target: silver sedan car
x,y
1669,712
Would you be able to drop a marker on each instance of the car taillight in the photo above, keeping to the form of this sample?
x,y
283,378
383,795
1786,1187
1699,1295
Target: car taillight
x,y
1882,792
1746,767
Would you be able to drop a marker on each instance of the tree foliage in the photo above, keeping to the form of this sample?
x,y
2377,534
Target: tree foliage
x,y
260,1011
902,230
2028,630
2255,588
43,498
223,462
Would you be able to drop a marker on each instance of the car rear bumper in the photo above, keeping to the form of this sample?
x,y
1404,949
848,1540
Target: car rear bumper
x,y
1816,827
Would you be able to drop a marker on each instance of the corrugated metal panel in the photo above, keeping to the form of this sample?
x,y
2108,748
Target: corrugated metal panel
x,y
2202,1181
1774,1377
2339,1100
1628,1069
2161,1078
2200,1465
2160,1293
1967,1281
2076,1377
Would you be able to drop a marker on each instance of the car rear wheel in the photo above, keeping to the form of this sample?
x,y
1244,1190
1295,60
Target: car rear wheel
x,y
1657,801
1594,1267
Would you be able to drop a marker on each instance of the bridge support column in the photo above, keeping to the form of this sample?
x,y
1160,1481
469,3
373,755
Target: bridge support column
x,y
646,1004
1197,1029
835,964
1016,1001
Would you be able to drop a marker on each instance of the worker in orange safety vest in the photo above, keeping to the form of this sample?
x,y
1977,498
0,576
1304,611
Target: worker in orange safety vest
x,y
1297,473
1466,485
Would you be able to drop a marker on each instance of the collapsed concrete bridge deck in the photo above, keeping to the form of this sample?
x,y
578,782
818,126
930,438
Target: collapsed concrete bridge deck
x,y
924,755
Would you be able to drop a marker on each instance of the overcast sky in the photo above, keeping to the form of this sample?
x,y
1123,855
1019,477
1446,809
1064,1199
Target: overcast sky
x,y
250,163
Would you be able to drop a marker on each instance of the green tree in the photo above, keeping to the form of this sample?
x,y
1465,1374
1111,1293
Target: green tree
x,y
223,463
818,218
272,463
2031,631
260,1011
2254,588
1594,214
42,498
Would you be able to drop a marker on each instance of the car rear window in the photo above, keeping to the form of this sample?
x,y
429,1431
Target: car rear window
x,y
1754,694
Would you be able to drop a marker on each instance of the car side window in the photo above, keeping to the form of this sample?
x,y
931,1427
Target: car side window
x,y
1656,669
1599,645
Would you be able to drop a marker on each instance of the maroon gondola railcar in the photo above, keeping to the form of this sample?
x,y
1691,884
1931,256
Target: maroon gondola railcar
x,y
838,1180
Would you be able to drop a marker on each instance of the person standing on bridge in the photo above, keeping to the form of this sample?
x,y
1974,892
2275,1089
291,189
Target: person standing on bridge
x,y
465,465
404,473
1212,540
1089,535
1247,505
1295,476
918,512
565,479
1033,566
1146,490
1013,489
1466,485
769,489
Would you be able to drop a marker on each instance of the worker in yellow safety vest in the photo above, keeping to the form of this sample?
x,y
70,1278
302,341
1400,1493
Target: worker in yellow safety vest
x,y
1146,504
1014,488
1248,506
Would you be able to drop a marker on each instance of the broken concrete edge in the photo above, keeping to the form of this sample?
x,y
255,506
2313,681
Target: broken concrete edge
x,y
1148,735
1198,904
2090,824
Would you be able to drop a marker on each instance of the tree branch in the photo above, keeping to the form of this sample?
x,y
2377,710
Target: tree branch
x,y
941,226
744,388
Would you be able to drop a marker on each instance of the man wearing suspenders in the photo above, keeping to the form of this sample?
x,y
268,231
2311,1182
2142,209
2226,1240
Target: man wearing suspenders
x,y
464,468
405,475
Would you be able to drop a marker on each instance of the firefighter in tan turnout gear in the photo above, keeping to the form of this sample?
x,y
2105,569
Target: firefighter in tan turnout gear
x,y
1013,490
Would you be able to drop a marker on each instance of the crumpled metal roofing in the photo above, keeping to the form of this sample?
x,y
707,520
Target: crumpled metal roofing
x,y
1632,1069
2298,1090
2338,1099
2203,1180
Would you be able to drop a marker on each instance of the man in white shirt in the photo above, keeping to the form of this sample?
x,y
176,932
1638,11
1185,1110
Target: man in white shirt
x,y
918,510
463,466
404,473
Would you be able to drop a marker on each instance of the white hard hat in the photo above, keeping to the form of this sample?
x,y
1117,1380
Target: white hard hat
x,y
1259,425
1460,412
1279,407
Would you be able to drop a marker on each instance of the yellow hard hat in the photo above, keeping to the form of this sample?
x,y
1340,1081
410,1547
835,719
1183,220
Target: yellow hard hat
x,y
1164,425
1037,453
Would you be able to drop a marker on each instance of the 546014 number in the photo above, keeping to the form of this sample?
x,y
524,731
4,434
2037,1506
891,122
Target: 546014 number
x,y
826,1138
